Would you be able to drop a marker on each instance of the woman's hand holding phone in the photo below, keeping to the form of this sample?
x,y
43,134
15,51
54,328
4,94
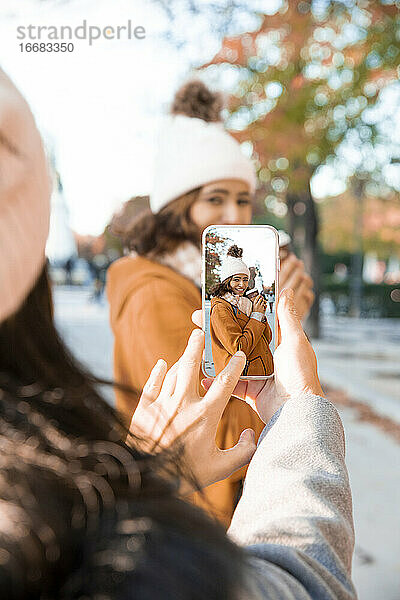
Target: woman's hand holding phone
x,y
295,365
292,275
171,412
259,304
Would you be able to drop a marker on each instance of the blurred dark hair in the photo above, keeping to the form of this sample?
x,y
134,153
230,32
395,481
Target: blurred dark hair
x,y
156,234
85,514
220,289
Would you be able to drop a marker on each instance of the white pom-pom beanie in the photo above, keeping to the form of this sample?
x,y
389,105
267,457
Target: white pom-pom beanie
x,y
233,266
192,153
24,199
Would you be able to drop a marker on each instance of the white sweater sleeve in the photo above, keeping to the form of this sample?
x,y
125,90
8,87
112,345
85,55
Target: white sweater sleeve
x,y
295,514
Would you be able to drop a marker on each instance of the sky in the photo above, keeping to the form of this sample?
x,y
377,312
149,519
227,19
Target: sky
x,y
99,106
96,106
259,246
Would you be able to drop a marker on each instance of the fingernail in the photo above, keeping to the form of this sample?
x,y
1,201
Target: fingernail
x,y
239,354
197,333
247,435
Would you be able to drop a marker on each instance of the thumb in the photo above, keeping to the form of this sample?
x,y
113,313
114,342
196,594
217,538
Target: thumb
x,y
240,455
197,318
247,437
289,322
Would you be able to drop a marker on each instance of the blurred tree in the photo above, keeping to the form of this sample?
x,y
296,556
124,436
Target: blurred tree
x,y
306,76
380,224
215,247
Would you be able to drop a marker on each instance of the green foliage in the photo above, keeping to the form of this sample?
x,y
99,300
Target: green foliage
x,y
305,81
376,298
269,219
328,261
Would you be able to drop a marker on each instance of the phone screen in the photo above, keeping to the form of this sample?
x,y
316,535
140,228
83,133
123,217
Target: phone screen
x,y
239,297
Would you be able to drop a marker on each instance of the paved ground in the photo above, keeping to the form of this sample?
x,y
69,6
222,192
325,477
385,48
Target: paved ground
x,y
361,358
84,326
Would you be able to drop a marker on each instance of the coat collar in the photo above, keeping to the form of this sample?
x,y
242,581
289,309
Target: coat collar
x,y
186,260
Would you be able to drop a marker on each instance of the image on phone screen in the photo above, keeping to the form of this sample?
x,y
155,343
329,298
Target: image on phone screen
x,y
239,297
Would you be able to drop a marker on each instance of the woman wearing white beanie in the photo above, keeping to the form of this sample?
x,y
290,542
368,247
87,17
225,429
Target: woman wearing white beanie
x,y
84,514
202,178
237,323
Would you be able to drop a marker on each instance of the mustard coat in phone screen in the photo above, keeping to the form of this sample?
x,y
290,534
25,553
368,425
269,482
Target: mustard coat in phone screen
x,y
232,330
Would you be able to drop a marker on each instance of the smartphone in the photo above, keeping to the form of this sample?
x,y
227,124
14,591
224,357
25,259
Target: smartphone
x,y
240,265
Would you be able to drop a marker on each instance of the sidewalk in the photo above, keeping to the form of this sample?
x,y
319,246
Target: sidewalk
x,y
359,364
362,357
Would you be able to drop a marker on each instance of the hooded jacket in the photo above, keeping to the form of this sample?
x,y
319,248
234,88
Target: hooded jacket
x,y
151,306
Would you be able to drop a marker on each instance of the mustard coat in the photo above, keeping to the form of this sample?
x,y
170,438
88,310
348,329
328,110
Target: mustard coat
x,y
232,330
150,310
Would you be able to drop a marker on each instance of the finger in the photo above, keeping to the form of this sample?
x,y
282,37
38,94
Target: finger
x,y
240,455
304,299
287,267
240,390
153,385
197,318
278,333
289,322
223,385
307,281
189,365
305,286
310,297
296,276
168,387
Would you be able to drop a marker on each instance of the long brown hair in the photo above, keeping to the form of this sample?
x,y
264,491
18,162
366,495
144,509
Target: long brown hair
x,y
82,495
220,289
157,234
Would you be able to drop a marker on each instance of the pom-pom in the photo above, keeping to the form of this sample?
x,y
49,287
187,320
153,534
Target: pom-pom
x,y
235,251
195,100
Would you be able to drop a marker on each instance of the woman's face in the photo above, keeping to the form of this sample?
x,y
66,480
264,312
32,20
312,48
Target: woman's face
x,y
239,284
223,202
